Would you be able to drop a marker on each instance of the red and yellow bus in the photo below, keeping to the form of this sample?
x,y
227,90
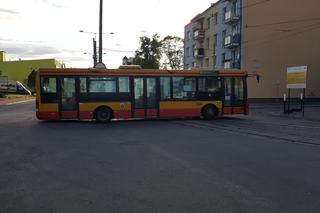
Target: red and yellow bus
x,y
105,94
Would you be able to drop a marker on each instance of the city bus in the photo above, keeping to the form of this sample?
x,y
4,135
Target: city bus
x,y
132,92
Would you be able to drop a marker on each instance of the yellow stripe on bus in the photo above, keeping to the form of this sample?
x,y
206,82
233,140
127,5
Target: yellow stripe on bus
x,y
48,107
188,104
112,105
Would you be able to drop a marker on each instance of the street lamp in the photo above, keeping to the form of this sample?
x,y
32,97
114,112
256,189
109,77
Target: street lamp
x,y
95,45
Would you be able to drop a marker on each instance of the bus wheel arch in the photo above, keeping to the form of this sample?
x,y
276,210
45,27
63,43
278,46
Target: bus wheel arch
x,y
209,112
103,114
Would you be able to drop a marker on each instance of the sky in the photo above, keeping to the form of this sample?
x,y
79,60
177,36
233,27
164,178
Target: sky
x,y
37,29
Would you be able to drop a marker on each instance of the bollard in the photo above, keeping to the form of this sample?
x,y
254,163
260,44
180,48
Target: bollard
x,y
284,103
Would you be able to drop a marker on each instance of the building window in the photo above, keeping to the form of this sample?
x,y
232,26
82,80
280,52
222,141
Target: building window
x,y
224,14
188,35
227,40
224,33
208,23
207,62
227,64
193,50
208,43
215,41
223,58
235,29
215,18
187,51
234,8
227,15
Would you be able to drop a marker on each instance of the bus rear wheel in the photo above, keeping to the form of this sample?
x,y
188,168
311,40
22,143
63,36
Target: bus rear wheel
x,y
103,114
209,112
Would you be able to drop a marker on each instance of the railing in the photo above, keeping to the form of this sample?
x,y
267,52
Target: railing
x,y
232,41
199,52
198,34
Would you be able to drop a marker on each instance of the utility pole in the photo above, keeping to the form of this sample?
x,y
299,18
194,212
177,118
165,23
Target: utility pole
x,y
94,52
100,31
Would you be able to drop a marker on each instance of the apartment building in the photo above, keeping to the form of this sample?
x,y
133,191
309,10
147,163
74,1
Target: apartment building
x,y
213,38
262,37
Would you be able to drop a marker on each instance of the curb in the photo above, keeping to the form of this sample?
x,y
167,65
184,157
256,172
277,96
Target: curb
x,y
17,102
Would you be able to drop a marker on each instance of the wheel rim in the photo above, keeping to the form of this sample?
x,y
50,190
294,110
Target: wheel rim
x,y
103,115
209,113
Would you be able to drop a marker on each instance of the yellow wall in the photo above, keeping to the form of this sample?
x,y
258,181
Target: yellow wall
x,y
270,49
19,70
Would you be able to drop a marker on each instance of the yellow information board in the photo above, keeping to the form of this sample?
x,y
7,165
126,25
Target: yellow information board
x,y
297,77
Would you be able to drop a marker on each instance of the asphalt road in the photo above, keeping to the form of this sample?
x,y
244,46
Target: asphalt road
x,y
258,163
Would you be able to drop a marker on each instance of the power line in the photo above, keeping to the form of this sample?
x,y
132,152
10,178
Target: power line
x,y
119,51
283,22
309,29
256,3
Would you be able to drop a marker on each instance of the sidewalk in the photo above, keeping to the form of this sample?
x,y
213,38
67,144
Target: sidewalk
x,y
312,111
17,100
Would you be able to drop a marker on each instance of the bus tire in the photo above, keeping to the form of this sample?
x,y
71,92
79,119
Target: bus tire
x,y
103,114
209,112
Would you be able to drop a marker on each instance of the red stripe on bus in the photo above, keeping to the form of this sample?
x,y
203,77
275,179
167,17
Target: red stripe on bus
x,y
48,115
122,114
69,114
152,112
139,113
235,110
86,115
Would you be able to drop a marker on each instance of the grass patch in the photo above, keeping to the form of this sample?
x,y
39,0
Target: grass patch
x,y
11,96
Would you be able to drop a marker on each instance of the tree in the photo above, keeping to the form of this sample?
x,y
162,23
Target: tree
x,y
172,52
32,80
149,54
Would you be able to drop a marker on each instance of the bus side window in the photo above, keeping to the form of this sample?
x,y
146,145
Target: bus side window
x,y
165,88
83,85
238,91
124,84
209,88
48,89
48,84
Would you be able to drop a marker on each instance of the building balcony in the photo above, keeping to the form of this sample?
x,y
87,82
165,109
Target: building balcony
x,y
232,41
232,18
198,34
199,53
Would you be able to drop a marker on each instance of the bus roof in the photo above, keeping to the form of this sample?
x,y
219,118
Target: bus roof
x,y
139,72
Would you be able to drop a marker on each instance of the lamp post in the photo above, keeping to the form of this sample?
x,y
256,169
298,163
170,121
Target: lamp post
x,y
95,57
100,31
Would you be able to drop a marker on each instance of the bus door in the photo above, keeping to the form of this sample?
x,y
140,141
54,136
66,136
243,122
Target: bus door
x,y
145,103
68,103
234,101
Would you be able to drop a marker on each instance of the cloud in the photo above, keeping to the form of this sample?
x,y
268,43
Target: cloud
x,y
37,50
2,10
51,3
27,49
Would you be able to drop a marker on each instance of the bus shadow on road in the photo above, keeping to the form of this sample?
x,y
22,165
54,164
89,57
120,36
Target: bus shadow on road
x,y
141,121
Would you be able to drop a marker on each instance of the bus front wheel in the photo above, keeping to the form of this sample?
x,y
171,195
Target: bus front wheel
x,y
209,112
103,114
